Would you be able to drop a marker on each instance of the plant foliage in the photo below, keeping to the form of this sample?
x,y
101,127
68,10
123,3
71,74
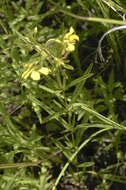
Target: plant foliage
x,y
62,110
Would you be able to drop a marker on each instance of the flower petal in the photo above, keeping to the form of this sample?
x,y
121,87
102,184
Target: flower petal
x,y
74,37
35,75
44,70
67,35
26,74
70,47
71,30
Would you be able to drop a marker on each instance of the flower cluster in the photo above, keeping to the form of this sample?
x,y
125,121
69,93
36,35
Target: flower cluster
x,y
35,73
67,44
69,40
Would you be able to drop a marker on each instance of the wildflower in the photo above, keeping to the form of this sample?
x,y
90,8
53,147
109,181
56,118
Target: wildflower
x,y
35,73
69,40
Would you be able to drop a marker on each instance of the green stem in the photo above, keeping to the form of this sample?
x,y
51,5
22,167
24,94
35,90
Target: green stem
x,y
74,155
15,165
94,19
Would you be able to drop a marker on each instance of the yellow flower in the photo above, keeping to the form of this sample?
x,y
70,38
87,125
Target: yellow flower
x,y
35,75
69,41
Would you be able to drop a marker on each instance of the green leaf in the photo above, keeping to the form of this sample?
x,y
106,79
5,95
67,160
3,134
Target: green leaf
x,y
79,80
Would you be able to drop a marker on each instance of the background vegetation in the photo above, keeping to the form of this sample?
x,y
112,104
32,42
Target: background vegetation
x,y
67,130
